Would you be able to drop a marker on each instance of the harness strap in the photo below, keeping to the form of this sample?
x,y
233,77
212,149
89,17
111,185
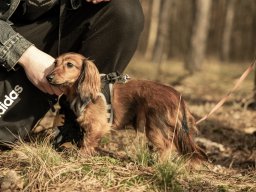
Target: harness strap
x,y
62,13
78,105
107,82
110,108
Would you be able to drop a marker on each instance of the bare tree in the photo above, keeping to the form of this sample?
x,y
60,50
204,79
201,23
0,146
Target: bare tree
x,y
154,23
228,30
162,32
199,36
230,24
147,10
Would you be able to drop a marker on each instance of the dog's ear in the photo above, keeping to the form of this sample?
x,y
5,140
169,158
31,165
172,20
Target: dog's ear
x,y
89,81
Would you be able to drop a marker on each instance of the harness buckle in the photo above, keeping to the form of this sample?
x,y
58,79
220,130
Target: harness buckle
x,y
116,77
124,78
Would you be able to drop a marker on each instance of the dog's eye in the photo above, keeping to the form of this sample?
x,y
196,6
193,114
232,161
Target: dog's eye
x,y
70,65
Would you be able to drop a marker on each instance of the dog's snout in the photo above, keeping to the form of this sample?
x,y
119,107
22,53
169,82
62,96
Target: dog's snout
x,y
50,78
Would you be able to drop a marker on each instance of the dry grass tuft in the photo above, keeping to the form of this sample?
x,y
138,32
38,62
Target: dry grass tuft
x,y
37,167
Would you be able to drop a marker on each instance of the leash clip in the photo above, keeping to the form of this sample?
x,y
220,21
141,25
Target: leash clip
x,y
124,78
115,77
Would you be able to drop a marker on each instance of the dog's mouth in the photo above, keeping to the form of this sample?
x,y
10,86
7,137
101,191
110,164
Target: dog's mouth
x,y
52,81
60,86
65,84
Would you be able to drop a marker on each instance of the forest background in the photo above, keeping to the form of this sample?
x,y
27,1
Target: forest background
x,y
195,29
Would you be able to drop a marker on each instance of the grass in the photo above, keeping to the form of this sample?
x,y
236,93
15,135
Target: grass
x,y
168,174
40,168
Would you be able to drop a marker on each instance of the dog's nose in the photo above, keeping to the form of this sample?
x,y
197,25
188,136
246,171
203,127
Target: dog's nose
x,y
50,78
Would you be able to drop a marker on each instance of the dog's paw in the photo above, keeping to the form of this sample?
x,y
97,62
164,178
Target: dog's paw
x,y
49,121
59,120
87,151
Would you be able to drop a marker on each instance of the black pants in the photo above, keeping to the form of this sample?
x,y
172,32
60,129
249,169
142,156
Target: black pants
x,y
107,33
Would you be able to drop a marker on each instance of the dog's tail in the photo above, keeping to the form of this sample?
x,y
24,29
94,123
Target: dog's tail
x,y
184,140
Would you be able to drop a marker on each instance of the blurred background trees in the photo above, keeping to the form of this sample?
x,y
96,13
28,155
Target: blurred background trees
x,y
192,30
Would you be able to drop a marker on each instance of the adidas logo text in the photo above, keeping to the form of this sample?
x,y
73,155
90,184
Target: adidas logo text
x,y
9,99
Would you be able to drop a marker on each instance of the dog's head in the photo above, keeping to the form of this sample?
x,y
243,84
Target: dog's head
x,y
73,72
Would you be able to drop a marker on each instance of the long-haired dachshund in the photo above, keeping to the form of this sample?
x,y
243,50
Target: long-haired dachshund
x,y
156,108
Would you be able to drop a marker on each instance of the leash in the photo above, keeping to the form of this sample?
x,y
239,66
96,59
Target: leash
x,y
223,100
62,13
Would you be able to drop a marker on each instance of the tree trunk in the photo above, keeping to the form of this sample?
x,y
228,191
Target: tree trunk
x,y
254,52
153,28
147,10
227,30
162,32
254,88
199,35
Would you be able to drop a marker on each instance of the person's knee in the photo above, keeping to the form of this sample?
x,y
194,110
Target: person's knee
x,y
128,15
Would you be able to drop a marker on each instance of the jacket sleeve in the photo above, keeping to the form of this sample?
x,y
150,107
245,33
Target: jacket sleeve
x,y
12,46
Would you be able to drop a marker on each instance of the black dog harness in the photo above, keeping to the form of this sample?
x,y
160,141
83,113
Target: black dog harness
x,y
107,80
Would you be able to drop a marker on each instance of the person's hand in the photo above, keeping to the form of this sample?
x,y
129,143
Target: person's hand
x,y
96,1
37,65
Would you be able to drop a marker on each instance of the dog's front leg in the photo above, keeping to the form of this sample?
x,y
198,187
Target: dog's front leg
x,y
94,123
93,132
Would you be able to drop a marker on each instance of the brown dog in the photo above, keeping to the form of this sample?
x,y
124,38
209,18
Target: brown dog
x,y
156,108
